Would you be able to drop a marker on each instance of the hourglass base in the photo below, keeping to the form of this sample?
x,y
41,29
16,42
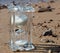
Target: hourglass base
x,y
25,47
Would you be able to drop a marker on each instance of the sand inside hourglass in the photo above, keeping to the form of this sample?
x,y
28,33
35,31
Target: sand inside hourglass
x,y
19,19
21,42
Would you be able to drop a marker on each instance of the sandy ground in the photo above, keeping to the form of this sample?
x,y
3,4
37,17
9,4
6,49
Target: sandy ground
x,y
42,17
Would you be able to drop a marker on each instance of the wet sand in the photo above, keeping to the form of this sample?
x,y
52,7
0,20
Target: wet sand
x,y
43,18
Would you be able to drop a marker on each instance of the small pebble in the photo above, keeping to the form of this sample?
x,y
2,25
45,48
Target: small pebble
x,y
39,7
33,16
40,24
47,33
45,26
49,8
50,41
58,25
54,35
47,40
44,21
36,5
51,20
42,10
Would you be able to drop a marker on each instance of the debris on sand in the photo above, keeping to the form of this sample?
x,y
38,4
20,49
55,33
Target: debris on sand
x,y
50,41
49,8
52,1
44,40
33,16
58,25
51,20
45,26
45,9
44,21
42,10
54,35
3,6
39,24
47,32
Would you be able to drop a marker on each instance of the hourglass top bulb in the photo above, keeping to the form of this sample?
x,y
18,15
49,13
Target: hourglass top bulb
x,y
19,19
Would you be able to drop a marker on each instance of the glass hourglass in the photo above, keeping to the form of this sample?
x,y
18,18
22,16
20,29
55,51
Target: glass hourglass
x,y
21,37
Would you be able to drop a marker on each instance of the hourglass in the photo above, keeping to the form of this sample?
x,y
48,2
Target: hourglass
x,y
21,38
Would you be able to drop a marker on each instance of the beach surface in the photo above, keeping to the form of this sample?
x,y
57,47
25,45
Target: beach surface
x,y
39,18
